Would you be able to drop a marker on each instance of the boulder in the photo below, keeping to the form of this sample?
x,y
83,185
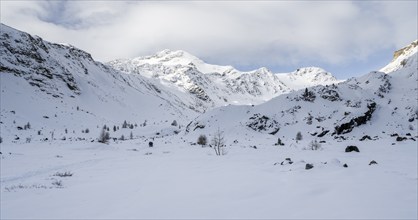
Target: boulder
x,y
365,137
401,138
351,148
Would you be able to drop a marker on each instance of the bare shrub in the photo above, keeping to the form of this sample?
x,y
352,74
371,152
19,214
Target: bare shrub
x,y
218,143
314,145
63,174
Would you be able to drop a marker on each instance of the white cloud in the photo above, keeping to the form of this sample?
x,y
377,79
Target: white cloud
x,y
238,33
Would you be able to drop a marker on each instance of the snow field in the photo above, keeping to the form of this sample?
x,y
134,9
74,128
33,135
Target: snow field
x,y
180,180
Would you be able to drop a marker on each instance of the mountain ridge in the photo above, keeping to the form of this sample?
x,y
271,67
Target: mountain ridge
x,y
189,73
59,80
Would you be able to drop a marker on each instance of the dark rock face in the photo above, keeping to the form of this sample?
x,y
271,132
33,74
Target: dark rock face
x,y
401,138
323,133
37,62
262,123
385,87
194,126
345,165
355,122
150,144
365,137
199,93
330,94
372,162
351,149
308,166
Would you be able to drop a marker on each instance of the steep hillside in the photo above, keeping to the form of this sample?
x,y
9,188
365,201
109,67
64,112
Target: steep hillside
x,y
61,91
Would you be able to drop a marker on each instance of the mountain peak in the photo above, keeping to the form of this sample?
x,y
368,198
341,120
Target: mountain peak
x,y
402,58
406,50
313,74
171,57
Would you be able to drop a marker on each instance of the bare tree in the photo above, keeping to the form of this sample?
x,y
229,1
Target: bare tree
x,y
218,143
202,140
314,145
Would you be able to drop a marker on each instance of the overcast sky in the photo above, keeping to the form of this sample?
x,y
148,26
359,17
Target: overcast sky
x,y
347,38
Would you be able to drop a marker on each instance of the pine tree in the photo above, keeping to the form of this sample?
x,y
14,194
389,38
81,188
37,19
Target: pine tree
x,y
104,136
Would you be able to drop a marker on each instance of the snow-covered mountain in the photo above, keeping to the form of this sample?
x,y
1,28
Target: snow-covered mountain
x,y
215,85
377,104
61,90
55,100
66,89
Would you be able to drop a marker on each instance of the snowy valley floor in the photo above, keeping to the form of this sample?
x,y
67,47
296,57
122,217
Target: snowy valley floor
x,y
179,180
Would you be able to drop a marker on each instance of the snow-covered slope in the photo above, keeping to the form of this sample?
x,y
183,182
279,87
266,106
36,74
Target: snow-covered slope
x,y
403,58
61,90
307,77
217,85
377,105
